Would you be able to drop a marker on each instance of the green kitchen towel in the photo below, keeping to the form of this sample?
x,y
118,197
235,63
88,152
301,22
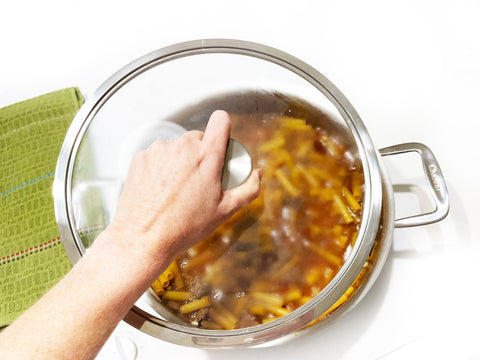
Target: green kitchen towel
x,y
32,258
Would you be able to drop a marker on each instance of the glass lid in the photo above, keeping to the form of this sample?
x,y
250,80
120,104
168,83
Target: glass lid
x,y
308,234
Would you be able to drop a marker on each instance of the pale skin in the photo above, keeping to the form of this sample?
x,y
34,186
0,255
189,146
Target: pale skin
x,y
171,200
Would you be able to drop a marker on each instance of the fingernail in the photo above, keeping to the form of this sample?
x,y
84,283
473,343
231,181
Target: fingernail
x,y
260,174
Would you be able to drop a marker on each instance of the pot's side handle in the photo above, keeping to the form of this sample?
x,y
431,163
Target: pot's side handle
x,y
435,179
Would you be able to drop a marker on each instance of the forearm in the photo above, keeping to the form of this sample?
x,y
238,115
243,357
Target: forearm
x,y
172,199
78,315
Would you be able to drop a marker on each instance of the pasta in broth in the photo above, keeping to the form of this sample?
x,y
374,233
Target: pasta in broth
x,y
281,250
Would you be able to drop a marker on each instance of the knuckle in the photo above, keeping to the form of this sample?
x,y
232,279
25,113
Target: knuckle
x,y
192,135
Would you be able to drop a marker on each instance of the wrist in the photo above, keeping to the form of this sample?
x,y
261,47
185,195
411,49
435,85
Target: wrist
x,y
134,250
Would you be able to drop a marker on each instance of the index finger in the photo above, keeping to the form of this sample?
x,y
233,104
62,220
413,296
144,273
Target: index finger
x,y
217,133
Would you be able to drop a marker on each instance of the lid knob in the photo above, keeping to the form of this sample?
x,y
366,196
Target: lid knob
x,y
237,165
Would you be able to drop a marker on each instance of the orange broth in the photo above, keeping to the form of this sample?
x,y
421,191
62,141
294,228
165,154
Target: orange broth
x,y
281,250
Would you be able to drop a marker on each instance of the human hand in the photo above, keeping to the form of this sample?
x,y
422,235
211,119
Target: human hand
x,y
172,197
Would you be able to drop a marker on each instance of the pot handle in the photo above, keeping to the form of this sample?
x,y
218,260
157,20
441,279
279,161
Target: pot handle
x,y
435,179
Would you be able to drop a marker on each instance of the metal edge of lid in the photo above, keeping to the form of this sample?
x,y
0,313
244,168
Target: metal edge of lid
x,y
372,204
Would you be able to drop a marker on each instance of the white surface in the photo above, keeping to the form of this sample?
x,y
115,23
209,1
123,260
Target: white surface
x,y
412,71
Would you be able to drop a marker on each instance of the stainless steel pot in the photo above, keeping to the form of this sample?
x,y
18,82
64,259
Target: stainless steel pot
x,y
163,84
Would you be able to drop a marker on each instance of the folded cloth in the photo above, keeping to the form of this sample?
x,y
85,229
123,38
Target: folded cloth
x,y
32,258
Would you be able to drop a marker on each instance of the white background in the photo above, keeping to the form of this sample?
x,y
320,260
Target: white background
x,y
410,68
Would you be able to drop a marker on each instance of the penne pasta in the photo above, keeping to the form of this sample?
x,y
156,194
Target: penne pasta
x,y
354,237
269,319
275,143
287,266
295,124
292,190
239,305
282,158
157,287
176,295
313,276
258,309
304,150
342,209
318,174
325,194
195,305
211,325
351,200
328,273
262,310
168,274
201,259
279,311
305,299
177,276
261,286
164,282
357,191
326,254
342,241
267,299
292,294
223,317
308,176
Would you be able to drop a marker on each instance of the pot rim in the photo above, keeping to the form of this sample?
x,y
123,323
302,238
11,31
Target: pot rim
x,y
62,191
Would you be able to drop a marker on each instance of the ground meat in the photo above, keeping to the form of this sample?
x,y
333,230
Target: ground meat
x,y
199,315
246,320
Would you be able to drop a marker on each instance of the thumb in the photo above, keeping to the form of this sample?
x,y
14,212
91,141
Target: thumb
x,y
240,196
